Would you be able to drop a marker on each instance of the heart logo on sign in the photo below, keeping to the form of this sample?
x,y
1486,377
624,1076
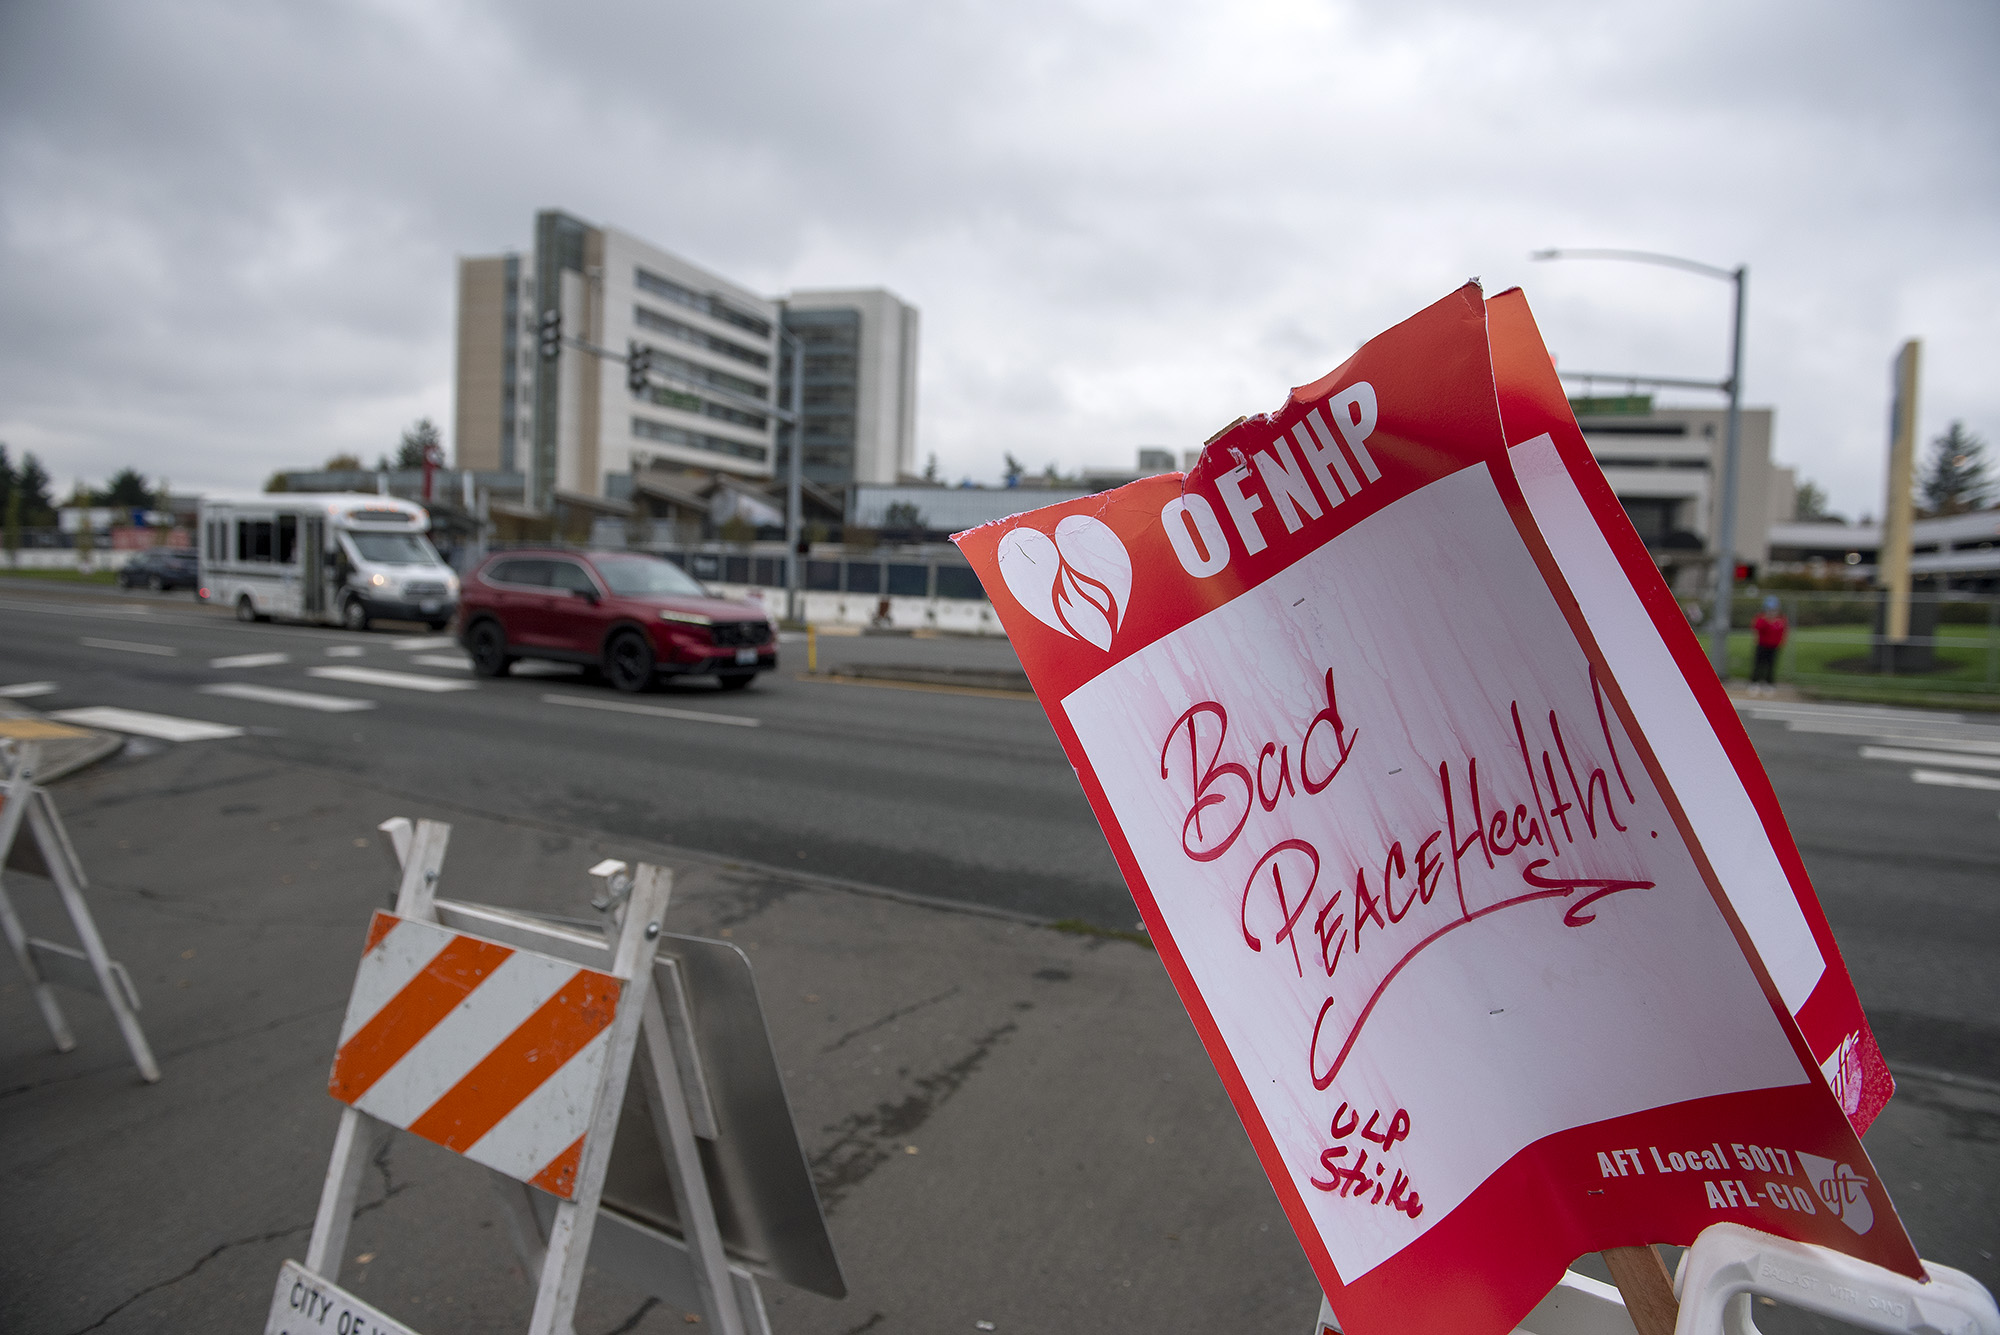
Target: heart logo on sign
x,y
1076,582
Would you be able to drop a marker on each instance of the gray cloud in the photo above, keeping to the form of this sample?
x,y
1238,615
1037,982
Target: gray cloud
x,y
227,234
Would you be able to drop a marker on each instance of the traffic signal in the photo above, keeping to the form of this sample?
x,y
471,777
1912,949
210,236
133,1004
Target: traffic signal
x,y
551,334
638,366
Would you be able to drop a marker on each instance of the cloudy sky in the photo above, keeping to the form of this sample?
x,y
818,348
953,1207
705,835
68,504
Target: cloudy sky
x,y
227,230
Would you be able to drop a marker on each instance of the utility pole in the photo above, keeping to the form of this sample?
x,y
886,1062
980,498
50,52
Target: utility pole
x,y
1725,515
794,475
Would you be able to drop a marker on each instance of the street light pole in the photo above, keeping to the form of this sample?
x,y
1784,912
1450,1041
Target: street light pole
x,y
1725,559
1725,537
794,474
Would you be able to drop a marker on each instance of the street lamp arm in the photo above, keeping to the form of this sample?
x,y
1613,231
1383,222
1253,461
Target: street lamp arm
x,y
1639,256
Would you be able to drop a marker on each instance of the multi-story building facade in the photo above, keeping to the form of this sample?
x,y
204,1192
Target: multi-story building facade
x,y
574,429
570,423
860,397
1665,464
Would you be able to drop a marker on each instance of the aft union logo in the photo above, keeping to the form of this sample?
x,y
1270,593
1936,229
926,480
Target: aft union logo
x,y
1077,582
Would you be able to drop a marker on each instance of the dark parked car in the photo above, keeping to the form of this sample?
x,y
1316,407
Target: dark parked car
x,y
635,616
160,568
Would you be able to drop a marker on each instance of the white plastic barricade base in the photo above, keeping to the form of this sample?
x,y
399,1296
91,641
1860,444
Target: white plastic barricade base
x,y
1728,1263
33,841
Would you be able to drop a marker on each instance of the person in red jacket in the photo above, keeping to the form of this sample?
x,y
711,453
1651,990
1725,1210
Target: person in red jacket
x,y
1770,627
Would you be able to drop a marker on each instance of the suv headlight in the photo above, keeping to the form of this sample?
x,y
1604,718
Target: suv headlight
x,y
689,618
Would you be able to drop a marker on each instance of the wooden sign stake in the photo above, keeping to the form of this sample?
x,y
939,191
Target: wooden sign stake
x,y
1646,1286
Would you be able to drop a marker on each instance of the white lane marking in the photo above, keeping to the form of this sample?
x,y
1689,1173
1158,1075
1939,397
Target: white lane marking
x,y
652,711
414,642
163,726
130,647
459,661
27,690
1886,713
345,651
405,681
1984,741
1902,756
249,660
112,610
1944,779
275,695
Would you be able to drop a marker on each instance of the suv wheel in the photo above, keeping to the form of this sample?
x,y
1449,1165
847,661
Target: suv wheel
x,y
155,583
628,661
354,614
489,650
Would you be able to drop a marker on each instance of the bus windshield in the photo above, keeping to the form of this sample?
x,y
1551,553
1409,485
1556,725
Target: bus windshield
x,y
394,549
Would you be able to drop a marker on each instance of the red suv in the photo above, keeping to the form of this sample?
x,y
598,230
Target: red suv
x,y
635,616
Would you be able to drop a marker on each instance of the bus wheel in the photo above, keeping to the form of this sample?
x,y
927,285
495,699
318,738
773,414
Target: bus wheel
x,y
354,614
246,610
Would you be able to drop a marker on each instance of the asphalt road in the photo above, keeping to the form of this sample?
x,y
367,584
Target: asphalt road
x,y
1068,1168
956,796
960,796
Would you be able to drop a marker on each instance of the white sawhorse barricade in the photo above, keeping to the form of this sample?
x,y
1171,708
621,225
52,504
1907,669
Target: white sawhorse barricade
x,y
1730,1266
459,1014
33,841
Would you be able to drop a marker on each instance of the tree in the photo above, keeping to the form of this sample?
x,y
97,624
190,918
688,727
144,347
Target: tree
x,y
902,515
1013,471
418,441
10,508
931,469
342,463
127,490
1809,503
38,508
1954,479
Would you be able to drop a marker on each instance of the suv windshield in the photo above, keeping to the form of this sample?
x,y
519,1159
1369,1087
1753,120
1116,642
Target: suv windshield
x,y
643,576
394,549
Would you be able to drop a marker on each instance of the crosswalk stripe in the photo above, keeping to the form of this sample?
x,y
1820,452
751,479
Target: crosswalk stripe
x,y
27,690
249,660
130,647
1902,756
407,681
275,695
345,651
415,642
1943,779
654,711
165,727
459,661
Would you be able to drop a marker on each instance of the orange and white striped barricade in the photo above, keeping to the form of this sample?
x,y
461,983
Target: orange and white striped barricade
x,y
515,1059
709,1189
34,842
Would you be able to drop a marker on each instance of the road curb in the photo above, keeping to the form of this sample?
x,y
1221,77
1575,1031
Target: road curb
x,y
60,759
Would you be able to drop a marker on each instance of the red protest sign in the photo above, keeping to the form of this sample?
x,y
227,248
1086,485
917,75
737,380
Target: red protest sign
x,y
1429,890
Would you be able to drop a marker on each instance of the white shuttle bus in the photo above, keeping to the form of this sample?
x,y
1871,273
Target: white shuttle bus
x,y
343,559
